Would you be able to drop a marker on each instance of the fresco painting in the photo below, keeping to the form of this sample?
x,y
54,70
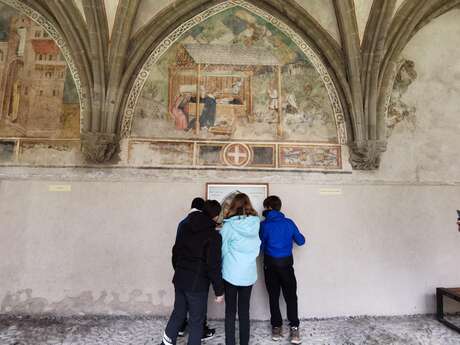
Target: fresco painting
x,y
298,157
37,92
264,156
7,150
235,77
143,153
233,91
399,112
45,152
249,72
210,154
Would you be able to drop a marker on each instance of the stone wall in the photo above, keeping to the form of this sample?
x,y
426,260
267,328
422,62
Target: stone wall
x,y
105,247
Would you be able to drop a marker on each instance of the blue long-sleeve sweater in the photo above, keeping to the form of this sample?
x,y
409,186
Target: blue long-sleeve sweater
x,y
278,233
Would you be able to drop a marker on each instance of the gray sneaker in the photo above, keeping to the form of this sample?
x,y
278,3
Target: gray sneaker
x,y
277,333
295,335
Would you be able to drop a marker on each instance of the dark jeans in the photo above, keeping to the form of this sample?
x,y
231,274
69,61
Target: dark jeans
x,y
237,296
184,324
280,277
195,303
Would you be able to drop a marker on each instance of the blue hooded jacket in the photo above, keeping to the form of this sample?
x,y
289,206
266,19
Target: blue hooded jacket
x,y
277,234
240,248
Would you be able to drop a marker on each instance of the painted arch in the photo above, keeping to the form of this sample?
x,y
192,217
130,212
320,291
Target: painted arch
x,y
40,96
41,99
235,87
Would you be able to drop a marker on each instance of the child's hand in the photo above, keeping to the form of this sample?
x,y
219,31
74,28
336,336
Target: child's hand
x,y
219,299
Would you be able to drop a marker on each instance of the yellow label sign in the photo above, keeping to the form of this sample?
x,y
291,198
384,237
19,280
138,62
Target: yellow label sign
x,y
60,188
330,191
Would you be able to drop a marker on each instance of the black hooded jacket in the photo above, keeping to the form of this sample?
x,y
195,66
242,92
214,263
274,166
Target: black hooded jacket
x,y
196,255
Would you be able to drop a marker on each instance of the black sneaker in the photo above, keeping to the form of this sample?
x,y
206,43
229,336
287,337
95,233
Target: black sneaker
x,y
181,332
208,333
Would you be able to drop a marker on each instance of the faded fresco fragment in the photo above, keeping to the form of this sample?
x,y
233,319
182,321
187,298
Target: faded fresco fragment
x,y
235,77
38,98
160,153
398,110
7,150
297,156
51,152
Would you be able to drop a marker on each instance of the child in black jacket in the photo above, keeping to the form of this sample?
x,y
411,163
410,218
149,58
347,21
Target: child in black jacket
x,y
197,264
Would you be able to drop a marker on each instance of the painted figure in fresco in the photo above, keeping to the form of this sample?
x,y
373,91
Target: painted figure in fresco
x,y
237,86
291,106
273,94
208,115
179,111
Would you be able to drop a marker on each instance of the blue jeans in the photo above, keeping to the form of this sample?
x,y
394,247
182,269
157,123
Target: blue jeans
x,y
196,304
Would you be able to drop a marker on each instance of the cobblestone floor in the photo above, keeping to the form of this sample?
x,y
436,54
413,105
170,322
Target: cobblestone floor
x,y
410,330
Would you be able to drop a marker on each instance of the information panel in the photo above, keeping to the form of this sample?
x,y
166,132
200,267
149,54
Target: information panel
x,y
221,192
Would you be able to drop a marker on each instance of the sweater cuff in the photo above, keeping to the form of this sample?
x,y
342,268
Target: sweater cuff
x,y
218,289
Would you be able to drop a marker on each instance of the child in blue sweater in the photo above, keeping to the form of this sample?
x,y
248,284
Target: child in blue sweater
x,y
277,234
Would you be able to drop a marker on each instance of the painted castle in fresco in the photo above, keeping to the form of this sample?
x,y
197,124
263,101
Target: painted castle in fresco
x,y
235,91
38,97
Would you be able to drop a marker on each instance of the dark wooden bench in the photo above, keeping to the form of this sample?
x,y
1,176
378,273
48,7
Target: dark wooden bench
x,y
452,293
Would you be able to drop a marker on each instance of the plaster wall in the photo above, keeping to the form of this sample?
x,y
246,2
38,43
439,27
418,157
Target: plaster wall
x,y
427,149
323,12
111,10
79,4
147,10
398,5
362,9
375,249
380,247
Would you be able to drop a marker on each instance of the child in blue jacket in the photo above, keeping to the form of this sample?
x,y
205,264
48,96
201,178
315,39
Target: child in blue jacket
x,y
277,234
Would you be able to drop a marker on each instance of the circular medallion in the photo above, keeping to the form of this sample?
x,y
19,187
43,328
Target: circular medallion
x,y
237,155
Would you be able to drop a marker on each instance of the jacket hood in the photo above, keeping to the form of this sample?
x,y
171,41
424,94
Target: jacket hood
x,y
199,222
273,215
245,226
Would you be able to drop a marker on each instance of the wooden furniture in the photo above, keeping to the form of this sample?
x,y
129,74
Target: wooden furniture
x,y
227,71
452,293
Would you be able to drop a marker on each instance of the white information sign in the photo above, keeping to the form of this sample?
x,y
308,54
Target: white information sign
x,y
257,192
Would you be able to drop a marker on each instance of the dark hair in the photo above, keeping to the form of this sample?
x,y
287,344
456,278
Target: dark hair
x,y
241,206
198,203
273,202
212,208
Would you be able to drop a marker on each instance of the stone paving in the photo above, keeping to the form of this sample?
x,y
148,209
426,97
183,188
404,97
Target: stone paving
x,y
108,330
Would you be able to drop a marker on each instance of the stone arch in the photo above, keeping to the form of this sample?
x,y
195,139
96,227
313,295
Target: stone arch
x,y
312,54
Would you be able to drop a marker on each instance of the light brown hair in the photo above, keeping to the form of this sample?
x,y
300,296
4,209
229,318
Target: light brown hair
x,y
240,206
